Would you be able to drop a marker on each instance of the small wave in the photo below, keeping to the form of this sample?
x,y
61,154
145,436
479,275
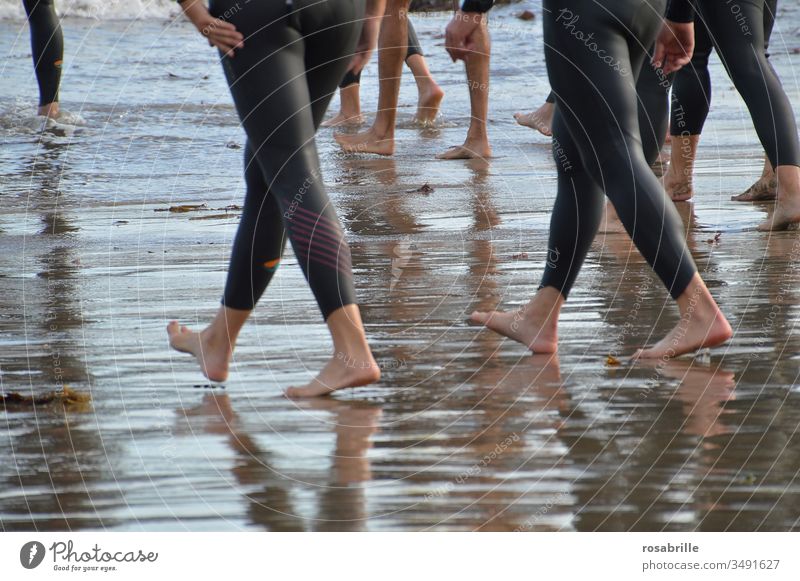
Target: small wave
x,y
99,9
20,120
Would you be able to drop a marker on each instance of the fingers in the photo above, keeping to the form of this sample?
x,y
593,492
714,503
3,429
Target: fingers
x,y
658,56
455,48
223,35
456,53
676,60
358,62
231,37
223,25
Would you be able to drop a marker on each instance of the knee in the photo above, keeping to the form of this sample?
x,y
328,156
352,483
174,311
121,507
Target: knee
x,y
749,71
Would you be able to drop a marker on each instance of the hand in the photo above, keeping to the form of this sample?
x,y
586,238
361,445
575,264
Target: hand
x,y
366,44
458,34
219,33
674,46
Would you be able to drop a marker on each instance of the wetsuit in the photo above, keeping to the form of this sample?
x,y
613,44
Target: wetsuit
x,y
652,89
47,47
594,53
731,29
282,81
414,47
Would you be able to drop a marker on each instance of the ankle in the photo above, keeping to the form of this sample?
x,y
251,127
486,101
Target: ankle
x,y
478,134
349,113
788,178
696,300
355,358
545,308
218,338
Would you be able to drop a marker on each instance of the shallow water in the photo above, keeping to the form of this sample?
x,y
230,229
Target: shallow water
x,y
465,431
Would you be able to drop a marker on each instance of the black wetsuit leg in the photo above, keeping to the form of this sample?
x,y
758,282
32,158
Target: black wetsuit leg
x,y
740,46
652,88
350,78
47,47
414,47
282,82
770,10
691,87
594,55
691,90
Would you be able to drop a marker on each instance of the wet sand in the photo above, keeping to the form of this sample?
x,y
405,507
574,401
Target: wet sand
x,y
465,431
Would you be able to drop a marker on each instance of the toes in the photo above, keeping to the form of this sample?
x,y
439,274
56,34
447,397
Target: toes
x,y
480,317
308,391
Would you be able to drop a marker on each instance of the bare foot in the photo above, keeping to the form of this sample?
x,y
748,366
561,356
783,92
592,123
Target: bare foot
x,y
342,120
678,187
365,142
766,188
428,104
541,120
538,336
51,110
340,372
661,164
693,332
787,204
786,213
212,355
470,150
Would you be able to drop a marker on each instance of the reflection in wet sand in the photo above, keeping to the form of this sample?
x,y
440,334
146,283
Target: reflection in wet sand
x,y
57,471
465,431
269,493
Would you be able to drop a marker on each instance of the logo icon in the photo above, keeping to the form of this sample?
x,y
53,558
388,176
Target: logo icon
x,y
31,555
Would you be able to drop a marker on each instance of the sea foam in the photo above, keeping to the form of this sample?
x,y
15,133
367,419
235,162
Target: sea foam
x,y
99,9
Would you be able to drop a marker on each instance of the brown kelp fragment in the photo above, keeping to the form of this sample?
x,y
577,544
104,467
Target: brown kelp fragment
x,y
212,217
182,208
425,188
67,397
